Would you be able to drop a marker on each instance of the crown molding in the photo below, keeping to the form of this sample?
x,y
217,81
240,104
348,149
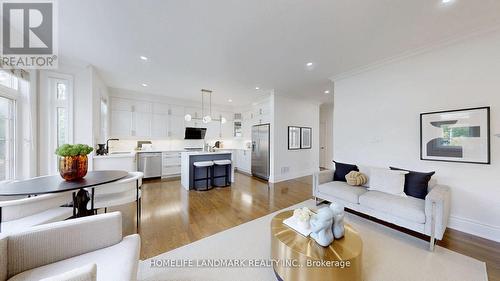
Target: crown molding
x,y
415,52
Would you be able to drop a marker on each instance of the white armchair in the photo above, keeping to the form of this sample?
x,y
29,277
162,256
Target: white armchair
x,y
71,247
19,214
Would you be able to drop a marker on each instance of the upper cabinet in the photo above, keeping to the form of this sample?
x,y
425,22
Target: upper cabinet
x,y
143,119
130,118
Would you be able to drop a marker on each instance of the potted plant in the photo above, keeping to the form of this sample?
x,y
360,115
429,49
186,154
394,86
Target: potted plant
x,y
73,161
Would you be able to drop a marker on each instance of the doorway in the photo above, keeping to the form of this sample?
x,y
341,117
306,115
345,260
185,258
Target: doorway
x,y
326,136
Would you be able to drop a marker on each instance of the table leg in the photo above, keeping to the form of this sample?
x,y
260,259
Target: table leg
x,y
277,275
74,207
80,202
92,201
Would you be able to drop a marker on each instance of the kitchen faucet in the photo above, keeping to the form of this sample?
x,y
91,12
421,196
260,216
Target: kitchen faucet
x,y
107,144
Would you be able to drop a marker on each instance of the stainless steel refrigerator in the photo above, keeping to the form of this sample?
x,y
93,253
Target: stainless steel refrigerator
x,y
260,151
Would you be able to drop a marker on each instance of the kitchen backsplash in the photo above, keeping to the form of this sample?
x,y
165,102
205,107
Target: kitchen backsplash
x,y
130,145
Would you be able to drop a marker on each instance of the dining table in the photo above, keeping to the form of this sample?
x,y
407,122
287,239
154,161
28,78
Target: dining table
x,y
55,184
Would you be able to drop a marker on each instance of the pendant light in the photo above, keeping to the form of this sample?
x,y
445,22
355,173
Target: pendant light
x,y
206,113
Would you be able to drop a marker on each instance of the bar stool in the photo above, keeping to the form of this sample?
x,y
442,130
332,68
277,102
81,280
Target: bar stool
x,y
207,165
227,172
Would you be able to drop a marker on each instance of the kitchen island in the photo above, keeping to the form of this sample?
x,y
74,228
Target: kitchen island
x,y
187,171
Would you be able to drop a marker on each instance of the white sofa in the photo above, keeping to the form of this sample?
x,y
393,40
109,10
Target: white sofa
x,y
69,247
429,216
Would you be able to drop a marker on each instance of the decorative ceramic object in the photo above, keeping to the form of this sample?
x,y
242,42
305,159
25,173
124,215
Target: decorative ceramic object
x,y
303,217
321,227
101,149
338,228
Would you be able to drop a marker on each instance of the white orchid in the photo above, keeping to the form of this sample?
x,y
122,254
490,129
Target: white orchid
x,y
303,214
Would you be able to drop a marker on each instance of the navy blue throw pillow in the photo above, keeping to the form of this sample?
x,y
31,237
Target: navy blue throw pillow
x,y
416,183
342,169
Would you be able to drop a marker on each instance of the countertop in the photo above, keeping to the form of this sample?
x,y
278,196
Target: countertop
x,y
127,154
158,151
189,153
117,154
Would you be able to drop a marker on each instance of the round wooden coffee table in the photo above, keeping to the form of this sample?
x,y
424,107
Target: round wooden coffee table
x,y
296,257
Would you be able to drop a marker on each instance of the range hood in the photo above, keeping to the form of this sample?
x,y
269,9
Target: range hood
x,y
195,133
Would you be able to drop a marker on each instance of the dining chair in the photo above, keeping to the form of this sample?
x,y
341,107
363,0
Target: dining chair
x,y
8,198
121,192
22,213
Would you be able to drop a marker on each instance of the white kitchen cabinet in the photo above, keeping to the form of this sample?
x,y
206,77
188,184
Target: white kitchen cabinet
x,y
130,118
246,124
121,104
142,124
159,125
244,160
176,127
171,164
176,110
161,108
113,162
121,123
195,112
142,106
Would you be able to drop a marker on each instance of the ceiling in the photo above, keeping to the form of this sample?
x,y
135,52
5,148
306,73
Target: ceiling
x,y
233,47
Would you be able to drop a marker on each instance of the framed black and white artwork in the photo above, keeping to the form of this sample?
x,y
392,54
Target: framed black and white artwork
x,y
293,138
305,137
456,136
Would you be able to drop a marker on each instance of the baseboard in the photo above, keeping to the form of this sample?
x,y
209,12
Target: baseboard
x,y
291,176
475,228
245,172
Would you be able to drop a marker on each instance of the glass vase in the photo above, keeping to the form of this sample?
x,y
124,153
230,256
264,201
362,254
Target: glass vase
x,y
73,168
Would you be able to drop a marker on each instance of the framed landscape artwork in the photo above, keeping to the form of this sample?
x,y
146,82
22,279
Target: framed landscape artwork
x,y
305,137
456,136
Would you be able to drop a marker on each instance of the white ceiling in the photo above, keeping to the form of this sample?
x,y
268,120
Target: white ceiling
x,y
233,46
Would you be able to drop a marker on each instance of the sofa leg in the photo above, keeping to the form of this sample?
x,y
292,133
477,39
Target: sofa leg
x,y
433,228
318,201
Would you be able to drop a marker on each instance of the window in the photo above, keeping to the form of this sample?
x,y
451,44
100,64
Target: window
x,y
8,80
60,116
8,93
104,119
6,138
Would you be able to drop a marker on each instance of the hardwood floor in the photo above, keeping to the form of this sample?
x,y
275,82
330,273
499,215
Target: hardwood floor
x,y
173,217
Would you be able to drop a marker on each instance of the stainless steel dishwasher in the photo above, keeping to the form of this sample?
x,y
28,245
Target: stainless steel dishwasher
x,y
150,164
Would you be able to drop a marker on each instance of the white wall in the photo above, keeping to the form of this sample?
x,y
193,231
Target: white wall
x,y
376,122
293,112
99,91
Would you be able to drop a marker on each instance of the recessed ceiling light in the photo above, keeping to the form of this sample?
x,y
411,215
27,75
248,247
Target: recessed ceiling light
x,y
144,58
327,92
257,88
230,100
446,1
144,84
309,64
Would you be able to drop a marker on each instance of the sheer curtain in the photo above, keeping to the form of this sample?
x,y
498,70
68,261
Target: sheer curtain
x,y
26,124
